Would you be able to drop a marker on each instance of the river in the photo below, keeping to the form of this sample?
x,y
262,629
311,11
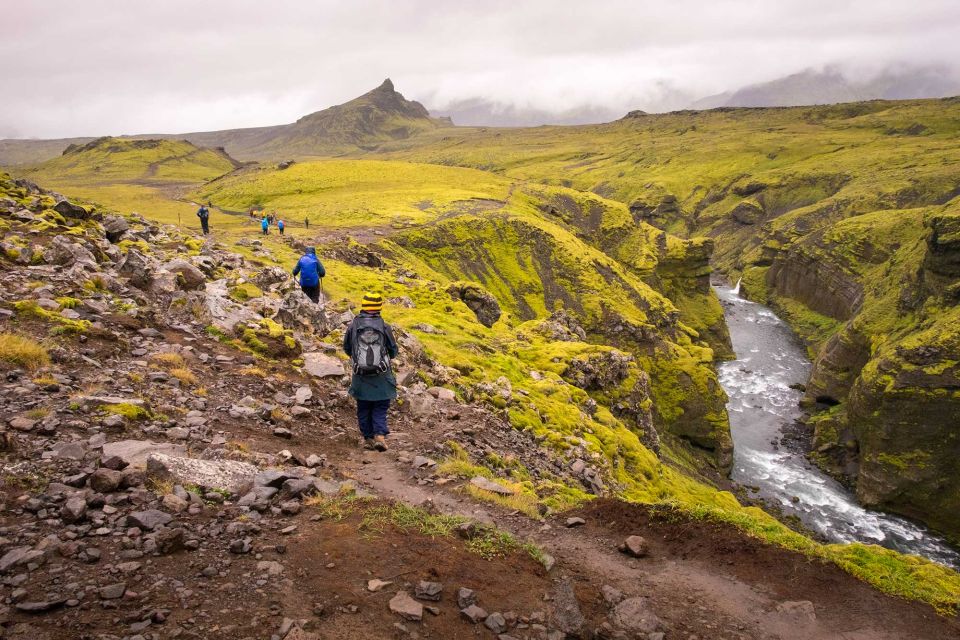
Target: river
x,y
770,358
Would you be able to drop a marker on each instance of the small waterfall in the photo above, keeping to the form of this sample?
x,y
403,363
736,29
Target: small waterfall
x,y
736,290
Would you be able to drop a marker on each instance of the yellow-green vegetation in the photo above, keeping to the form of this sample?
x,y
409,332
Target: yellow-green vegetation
x,y
21,351
344,194
128,410
30,309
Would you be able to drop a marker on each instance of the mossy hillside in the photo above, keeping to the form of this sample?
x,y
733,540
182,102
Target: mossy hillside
x,y
357,193
674,266
123,159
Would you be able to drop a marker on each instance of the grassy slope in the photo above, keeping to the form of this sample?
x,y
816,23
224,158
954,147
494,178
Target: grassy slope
x,y
132,175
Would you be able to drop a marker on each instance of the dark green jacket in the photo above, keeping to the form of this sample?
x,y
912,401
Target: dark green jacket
x,y
371,388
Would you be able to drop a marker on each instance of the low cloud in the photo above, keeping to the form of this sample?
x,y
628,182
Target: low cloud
x,y
113,67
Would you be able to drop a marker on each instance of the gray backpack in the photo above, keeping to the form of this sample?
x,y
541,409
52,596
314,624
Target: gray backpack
x,y
370,357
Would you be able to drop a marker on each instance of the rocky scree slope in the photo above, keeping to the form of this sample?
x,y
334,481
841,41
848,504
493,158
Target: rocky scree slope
x,y
173,469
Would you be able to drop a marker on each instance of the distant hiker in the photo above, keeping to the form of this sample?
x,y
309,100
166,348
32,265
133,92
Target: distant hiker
x,y
265,225
306,222
311,270
370,344
204,214
280,226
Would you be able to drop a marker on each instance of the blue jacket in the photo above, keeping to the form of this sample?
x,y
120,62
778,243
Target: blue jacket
x,y
203,213
372,388
310,270
264,223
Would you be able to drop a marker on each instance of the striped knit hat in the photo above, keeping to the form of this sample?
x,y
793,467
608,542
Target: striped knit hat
x,y
371,302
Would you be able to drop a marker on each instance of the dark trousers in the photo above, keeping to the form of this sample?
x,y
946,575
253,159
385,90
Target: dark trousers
x,y
206,225
265,230
313,292
281,230
372,416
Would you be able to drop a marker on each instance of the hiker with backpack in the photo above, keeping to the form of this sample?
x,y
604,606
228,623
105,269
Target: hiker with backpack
x,y
204,214
370,344
280,226
311,271
265,225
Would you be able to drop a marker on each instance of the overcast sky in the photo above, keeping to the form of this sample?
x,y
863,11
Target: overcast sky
x,y
96,67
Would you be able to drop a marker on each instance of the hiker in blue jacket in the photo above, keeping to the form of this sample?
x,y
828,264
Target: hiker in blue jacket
x,y
370,344
311,270
265,225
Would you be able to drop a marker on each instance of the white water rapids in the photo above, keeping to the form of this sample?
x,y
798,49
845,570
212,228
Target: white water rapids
x,y
769,359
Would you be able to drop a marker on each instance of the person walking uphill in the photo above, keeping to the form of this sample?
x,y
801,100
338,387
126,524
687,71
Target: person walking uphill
x,y
311,270
204,214
265,225
370,344
280,226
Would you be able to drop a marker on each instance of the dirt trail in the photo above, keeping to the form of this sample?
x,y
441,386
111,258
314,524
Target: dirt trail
x,y
700,577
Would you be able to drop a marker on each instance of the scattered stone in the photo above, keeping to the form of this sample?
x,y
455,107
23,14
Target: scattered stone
x,y
496,622
105,480
376,585
406,607
474,614
466,597
74,510
635,546
113,591
420,462
575,522
428,590
149,519
489,485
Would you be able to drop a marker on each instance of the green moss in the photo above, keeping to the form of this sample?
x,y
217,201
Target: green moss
x,y
128,411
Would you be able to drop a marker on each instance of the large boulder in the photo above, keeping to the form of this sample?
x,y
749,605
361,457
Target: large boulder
x,y
300,313
65,252
188,276
480,301
229,475
137,268
225,314
70,210
136,452
266,278
321,365
114,227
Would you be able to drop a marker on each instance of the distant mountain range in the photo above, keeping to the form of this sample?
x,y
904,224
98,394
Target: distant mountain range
x,y
809,87
831,86
383,115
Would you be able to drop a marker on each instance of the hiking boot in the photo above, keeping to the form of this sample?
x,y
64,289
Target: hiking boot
x,y
380,443
368,443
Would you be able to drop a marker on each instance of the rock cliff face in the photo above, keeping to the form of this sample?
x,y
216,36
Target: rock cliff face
x,y
818,283
884,386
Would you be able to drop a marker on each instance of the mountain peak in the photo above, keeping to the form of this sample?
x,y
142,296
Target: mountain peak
x,y
387,85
